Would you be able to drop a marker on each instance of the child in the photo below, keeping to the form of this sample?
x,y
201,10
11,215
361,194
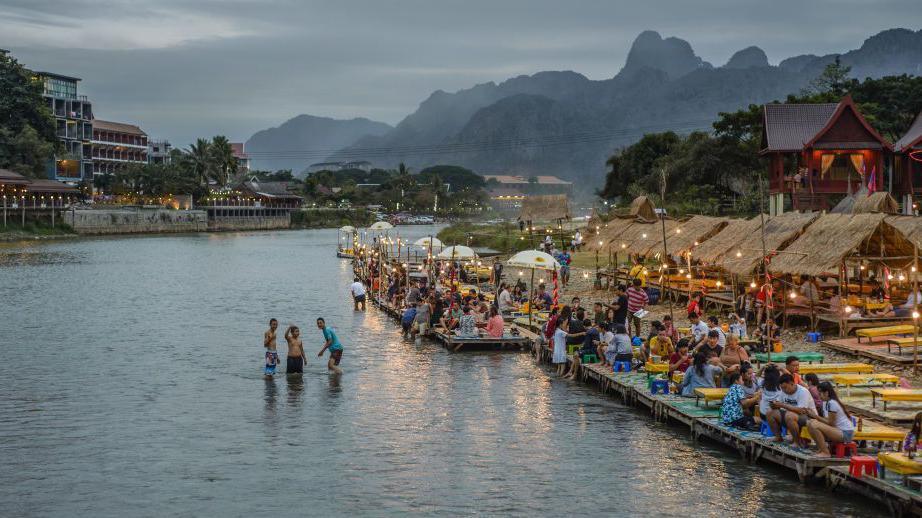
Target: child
x,y
738,326
813,385
332,343
272,355
911,443
295,359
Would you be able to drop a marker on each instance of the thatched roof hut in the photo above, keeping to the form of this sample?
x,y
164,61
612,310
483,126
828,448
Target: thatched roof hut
x,y
779,232
833,238
548,207
910,227
646,238
735,232
642,236
863,202
643,208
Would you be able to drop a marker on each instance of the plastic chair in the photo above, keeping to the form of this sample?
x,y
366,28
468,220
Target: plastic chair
x,y
766,430
862,465
842,448
622,366
572,348
657,386
590,358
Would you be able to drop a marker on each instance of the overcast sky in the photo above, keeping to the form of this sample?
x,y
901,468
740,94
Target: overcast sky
x,y
187,68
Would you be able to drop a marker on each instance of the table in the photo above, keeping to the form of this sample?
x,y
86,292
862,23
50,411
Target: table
x,y
872,332
894,394
899,462
836,368
869,432
900,342
710,394
655,368
863,379
804,356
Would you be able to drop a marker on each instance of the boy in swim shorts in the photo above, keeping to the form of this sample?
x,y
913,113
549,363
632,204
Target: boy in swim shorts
x,y
272,355
332,343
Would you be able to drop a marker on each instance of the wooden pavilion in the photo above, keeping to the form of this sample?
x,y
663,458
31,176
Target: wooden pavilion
x,y
818,152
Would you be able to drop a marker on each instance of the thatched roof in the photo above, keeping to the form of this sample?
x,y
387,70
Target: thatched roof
x,y
642,236
548,207
910,227
863,202
779,232
609,232
697,229
643,208
735,232
880,201
834,237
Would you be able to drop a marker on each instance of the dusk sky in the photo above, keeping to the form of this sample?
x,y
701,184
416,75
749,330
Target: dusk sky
x,y
187,68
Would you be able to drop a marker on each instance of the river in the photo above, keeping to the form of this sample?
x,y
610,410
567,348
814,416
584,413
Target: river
x,y
132,386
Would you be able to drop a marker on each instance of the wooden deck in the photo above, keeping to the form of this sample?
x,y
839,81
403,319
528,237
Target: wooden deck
x,y
877,350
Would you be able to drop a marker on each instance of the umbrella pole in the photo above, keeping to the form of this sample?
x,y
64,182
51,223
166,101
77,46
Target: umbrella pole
x,y
915,309
531,297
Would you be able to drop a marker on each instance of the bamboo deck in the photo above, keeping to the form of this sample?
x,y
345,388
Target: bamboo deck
x,y
876,350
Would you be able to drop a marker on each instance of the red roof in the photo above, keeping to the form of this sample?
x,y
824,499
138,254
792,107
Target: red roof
x,y
912,138
117,127
8,177
794,127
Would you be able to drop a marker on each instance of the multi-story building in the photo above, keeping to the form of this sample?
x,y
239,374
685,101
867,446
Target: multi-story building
x,y
243,159
158,151
73,115
117,145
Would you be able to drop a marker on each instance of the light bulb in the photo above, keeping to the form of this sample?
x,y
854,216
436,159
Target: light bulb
x,y
696,243
719,284
623,245
688,276
902,277
678,231
793,295
752,284
915,314
600,243
585,275
848,309
644,236
681,270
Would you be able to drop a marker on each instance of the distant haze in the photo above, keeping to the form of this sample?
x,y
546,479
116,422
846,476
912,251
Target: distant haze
x,y
188,68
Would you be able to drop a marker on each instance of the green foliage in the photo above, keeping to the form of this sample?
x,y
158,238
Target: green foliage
x,y
459,178
504,238
833,80
326,218
27,129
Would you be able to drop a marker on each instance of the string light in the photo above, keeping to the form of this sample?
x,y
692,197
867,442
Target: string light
x,y
752,284
848,309
915,314
739,253
719,284
644,236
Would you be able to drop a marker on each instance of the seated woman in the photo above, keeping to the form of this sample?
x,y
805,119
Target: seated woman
x,y
733,411
619,347
451,318
680,359
701,374
886,311
495,324
467,326
835,424
733,355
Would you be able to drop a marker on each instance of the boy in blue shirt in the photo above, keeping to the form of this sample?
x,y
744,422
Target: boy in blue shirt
x,y
332,343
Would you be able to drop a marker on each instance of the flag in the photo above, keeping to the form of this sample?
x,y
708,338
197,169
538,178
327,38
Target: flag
x,y
872,181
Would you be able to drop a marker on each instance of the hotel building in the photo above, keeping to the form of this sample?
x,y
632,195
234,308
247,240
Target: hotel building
x,y
117,145
73,115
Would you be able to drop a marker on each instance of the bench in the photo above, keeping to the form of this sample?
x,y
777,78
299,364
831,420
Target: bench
x,y
894,394
873,332
710,394
863,379
870,431
901,342
836,368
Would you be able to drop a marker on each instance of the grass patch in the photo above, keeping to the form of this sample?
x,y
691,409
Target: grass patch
x,y
32,228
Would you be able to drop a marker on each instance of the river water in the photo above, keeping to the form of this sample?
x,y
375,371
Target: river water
x,y
132,386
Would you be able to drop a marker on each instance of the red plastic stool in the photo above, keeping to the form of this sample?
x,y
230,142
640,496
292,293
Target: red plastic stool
x,y
862,463
841,448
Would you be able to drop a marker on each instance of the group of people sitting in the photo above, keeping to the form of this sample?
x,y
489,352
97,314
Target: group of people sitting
x,y
466,314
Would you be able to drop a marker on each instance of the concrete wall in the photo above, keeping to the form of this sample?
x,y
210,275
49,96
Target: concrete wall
x,y
250,223
129,221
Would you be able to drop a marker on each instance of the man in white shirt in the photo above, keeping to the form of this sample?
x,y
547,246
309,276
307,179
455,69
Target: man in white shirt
x,y
721,336
699,330
358,294
791,409
506,305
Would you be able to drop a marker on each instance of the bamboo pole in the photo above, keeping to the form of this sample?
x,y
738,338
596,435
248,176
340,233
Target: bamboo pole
x,y
766,279
664,286
915,309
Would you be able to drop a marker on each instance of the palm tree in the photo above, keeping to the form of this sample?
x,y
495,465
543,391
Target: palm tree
x,y
225,163
199,159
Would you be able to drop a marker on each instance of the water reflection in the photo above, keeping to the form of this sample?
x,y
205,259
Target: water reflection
x,y
157,401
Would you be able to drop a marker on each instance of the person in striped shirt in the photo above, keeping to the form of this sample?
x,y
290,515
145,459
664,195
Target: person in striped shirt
x,y
636,300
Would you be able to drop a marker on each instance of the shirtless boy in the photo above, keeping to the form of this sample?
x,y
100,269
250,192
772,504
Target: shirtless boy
x,y
296,358
272,355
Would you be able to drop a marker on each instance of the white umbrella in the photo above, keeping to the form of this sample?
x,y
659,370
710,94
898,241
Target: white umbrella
x,y
347,229
426,241
534,259
457,252
381,225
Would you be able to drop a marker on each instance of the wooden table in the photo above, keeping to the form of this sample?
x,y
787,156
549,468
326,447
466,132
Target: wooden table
x,y
804,356
870,431
901,342
836,368
655,368
899,462
863,379
710,394
872,332
894,394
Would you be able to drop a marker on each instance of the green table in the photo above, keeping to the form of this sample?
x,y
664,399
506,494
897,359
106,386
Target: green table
x,y
803,356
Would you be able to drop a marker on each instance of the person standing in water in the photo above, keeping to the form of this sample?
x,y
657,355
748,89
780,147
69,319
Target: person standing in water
x,y
272,355
332,343
358,294
295,360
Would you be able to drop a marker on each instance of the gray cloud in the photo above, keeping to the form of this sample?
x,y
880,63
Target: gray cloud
x,y
188,68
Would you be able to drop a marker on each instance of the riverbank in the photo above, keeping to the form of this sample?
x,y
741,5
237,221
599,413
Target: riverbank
x,y
33,231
